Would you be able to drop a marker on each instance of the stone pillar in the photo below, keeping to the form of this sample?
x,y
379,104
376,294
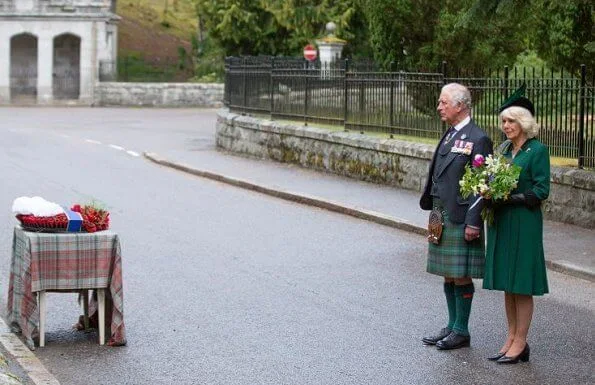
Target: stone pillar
x,y
88,63
329,51
330,48
4,69
45,64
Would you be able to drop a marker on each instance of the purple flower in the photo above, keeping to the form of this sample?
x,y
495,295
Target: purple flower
x,y
478,161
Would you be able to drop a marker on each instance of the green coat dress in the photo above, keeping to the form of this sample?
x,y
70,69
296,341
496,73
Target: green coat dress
x,y
515,261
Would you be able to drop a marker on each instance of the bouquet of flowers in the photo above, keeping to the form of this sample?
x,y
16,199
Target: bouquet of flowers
x,y
95,218
491,178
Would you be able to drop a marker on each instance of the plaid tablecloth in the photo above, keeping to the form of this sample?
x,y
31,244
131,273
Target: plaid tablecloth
x,y
65,261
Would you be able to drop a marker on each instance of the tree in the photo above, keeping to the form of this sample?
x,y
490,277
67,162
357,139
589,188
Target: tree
x,y
302,21
420,34
400,29
562,32
234,24
272,27
565,33
469,42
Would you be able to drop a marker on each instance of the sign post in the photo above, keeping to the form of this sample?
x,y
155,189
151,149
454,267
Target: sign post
x,y
310,52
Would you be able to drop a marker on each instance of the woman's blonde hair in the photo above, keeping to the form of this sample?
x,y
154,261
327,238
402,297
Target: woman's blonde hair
x,y
524,118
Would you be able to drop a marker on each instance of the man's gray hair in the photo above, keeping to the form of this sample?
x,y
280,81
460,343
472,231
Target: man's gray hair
x,y
459,94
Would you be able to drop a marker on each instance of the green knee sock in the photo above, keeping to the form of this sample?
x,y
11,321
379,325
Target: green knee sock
x,y
463,298
449,292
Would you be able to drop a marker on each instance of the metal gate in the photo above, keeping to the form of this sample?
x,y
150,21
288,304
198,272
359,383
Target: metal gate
x,y
66,69
23,68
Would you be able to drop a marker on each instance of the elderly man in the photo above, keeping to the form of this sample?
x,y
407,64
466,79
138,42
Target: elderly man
x,y
456,247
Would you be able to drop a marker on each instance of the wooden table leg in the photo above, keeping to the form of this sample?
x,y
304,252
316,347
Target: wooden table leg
x,y
101,312
42,318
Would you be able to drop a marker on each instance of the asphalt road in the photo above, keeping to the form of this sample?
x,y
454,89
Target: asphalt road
x,y
226,286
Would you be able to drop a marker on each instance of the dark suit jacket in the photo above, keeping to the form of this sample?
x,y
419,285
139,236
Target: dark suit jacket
x,y
450,170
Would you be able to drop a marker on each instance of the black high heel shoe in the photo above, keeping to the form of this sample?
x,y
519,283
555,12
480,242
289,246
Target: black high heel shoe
x,y
523,356
496,356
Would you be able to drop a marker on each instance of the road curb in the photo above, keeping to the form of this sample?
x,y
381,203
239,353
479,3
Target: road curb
x,y
569,268
310,200
25,357
372,216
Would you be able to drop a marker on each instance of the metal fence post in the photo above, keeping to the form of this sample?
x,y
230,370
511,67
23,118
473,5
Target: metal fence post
x,y
345,94
581,124
505,90
227,90
272,86
245,89
505,82
391,119
306,92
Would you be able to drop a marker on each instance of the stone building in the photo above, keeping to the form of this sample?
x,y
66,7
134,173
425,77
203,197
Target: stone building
x,y
50,49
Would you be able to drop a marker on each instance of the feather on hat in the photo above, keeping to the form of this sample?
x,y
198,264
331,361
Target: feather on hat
x,y
519,100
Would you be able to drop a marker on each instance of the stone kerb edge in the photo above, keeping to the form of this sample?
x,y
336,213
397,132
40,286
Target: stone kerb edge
x,y
572,195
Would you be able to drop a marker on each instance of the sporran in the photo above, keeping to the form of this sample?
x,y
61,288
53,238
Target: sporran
x,y
435,224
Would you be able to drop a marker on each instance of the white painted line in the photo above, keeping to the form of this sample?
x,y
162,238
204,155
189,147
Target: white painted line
x,y
65,136
92,141
25,357
116,147
132,153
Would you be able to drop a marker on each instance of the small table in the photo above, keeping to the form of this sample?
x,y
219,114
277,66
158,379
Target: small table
x,y
68,262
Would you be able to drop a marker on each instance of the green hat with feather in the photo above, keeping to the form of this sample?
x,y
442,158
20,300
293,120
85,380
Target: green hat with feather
x,y
519,100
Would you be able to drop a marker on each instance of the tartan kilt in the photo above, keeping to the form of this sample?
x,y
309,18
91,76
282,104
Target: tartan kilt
x,y
454,257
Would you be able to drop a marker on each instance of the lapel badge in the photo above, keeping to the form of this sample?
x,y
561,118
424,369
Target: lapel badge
x,y
464,136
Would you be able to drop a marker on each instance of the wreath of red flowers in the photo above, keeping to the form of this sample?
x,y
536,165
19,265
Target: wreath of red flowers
x,y
94,219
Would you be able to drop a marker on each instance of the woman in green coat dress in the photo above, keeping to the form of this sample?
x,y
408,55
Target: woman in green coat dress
x,y
515,260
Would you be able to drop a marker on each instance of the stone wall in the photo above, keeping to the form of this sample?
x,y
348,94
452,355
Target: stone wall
x,y
158,94
386,161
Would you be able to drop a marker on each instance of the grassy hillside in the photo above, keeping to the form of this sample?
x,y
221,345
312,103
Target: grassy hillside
x,y
151,38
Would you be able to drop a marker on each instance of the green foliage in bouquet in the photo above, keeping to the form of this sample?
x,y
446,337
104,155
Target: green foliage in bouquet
x,y
492,178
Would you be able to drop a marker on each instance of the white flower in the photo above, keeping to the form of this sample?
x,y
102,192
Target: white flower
x,y
36,206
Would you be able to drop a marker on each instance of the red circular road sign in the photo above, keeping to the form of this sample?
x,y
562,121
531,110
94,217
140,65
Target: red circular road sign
x,y
310,52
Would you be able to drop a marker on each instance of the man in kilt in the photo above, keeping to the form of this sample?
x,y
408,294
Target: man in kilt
x,y
458,253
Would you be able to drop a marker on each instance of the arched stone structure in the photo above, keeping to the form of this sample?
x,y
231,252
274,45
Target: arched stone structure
x,y
23,68
66,77
72,38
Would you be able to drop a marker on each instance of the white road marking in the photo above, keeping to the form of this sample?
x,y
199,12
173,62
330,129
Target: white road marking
x,y
25,357
115,147
65,136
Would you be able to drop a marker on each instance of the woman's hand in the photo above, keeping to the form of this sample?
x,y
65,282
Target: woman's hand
x,y
528,199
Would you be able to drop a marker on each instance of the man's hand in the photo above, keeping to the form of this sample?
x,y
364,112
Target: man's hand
x,y
471,233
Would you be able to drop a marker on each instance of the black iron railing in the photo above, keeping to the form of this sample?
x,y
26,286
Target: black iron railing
x,y
359,96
